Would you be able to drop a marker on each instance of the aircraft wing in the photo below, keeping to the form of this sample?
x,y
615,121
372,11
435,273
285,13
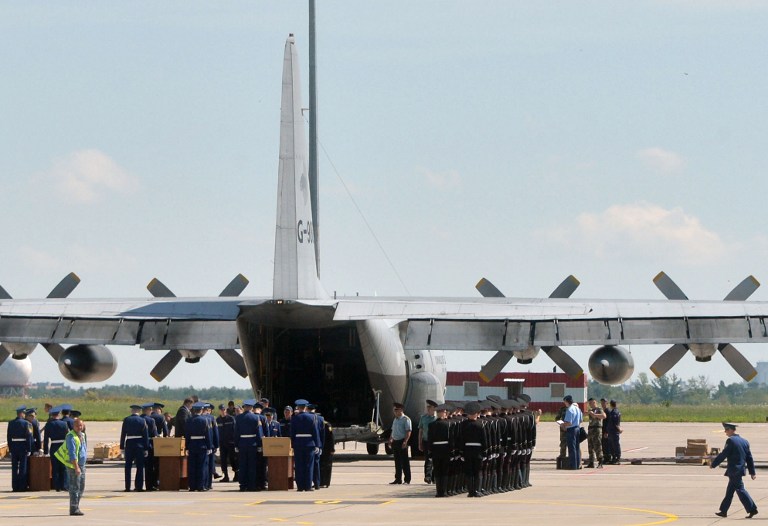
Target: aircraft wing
x,y
515,324
160,323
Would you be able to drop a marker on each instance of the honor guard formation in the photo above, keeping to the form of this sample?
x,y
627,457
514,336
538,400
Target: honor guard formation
x,y
481,448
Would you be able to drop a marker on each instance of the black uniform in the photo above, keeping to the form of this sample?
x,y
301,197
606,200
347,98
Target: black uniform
x,y
473,444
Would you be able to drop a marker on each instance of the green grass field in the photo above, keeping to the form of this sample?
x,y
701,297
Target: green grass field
x,y
118,408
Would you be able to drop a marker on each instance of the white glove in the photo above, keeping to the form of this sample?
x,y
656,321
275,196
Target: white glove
x,y
317,451
208,451
146,454
122,455
237,450
320,451
259,449
28,454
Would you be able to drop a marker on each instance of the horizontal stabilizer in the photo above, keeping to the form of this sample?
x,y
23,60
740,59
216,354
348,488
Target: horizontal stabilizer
x,y
4,295
564,361
668,359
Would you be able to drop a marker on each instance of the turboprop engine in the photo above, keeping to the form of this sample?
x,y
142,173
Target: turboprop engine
x,y
87,363
611,365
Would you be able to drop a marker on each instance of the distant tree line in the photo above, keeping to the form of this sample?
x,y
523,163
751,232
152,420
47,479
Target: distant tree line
x,y
668,390
142,393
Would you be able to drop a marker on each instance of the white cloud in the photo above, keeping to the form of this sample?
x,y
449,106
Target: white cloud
x,y
86,175
662,160
444,181
642,230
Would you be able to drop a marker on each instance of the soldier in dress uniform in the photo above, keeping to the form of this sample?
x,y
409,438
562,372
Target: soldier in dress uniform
x,y
54,435
285,422
261,465
214,430
305,441
199,443
612,430
472,444
272,426
320,423
134,446
248,435
225,423
150,475
440,446
20,442
160,422
66,416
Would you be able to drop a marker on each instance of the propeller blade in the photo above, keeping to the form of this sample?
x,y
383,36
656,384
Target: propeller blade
x,y
159,290
165,365
4,295
65,286
564,361
235,287
494,366
743,290
54,349
488,289
566,288
668,359
4,354
737,360
668,287
234,360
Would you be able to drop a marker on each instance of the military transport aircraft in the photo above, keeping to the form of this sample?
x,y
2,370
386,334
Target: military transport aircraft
x,y
353,354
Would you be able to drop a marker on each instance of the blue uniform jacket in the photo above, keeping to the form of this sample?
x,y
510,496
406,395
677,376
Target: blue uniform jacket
x,y
739,457
248,430
160,424
273,428
226,427
198,434
304,431
20,437
54,434
134,426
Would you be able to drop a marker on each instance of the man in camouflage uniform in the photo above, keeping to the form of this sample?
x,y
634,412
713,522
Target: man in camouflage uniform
x,y
595,434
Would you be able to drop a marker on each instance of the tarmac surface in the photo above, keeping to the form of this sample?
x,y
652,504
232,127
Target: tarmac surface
x,y
654,492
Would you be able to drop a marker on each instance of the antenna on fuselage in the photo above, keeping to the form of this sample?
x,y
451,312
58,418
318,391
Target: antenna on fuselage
x,y
313,172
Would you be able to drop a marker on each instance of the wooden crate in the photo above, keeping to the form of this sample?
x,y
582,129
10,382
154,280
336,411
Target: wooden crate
x,y
4,450
276,446
106,451
168,446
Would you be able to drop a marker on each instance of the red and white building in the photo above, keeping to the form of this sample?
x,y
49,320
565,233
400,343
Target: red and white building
x,y
545,389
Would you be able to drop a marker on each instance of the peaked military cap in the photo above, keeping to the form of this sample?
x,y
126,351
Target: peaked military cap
x,y
54,410
199,405
398,405
431,403
133,406
222,406
289,408
66,407
250,402
525,398
443,407
158,404
30,410
472,408
257,405
21,409
149,405
301,403
727,425
75,413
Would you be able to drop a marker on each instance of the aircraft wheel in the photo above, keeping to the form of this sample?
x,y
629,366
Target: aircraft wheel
x,y
373,449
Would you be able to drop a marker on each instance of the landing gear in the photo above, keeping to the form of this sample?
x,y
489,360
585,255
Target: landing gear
x,y
373,449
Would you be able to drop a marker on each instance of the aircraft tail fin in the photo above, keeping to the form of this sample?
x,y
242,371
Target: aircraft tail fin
x,y
295,271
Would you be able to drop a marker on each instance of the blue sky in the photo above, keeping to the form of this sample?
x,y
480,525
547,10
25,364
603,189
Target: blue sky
x,y
517,141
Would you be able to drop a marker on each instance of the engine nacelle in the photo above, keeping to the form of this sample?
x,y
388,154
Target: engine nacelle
x,y
20,350
87,363
611,365
192,356
527,355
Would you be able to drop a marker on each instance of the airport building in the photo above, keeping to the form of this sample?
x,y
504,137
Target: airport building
x,y
545,389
